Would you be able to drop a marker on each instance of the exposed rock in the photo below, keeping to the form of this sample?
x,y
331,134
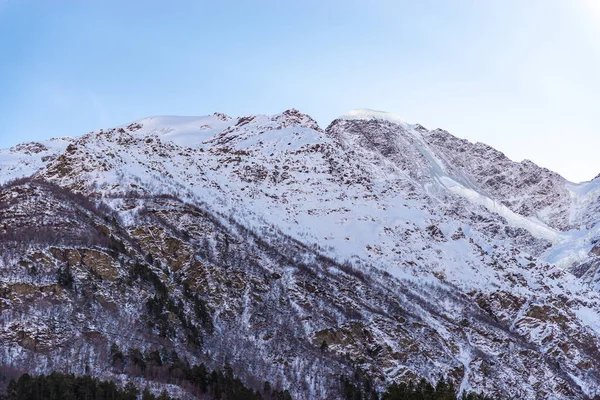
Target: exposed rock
x,y
101,264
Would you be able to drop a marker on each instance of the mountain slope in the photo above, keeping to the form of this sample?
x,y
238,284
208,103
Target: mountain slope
x,y
296,236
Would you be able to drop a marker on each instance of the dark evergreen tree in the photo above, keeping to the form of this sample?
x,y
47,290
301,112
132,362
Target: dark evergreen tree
x,y
64,277
147,395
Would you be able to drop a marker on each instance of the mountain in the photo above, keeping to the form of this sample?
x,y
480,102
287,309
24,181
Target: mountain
x,y
297,254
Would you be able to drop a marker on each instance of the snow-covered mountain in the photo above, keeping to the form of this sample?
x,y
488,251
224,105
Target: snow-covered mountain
x,y
411,253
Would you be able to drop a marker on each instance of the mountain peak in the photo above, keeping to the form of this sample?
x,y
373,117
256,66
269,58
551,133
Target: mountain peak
x,y
368,114
295,117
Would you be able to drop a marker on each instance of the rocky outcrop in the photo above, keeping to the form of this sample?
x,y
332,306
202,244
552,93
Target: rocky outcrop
x,y
595,251
101,264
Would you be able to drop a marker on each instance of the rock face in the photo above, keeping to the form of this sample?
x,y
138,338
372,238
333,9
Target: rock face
x,y
595,250
410,253
523,187
100,264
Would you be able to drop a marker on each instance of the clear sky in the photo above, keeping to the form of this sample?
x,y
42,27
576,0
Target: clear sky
x,y
520,75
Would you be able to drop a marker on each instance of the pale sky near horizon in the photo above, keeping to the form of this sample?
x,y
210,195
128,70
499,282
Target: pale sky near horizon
x,y
519,75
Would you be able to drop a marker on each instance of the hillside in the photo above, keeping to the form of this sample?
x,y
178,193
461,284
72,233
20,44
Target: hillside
x,y
296,254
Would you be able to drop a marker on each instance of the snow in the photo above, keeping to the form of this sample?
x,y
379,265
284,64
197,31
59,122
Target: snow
x,y
26,159
573,248
535,227
183,131
367,114
583,196
589,317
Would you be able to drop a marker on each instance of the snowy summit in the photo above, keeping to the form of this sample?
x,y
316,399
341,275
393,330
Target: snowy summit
x,y
368,114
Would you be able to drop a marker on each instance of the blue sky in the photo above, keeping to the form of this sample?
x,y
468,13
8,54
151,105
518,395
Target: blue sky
x,y
521,76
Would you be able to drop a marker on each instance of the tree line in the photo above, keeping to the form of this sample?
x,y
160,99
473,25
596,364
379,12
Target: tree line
x,y
360,387
202,382
197,380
